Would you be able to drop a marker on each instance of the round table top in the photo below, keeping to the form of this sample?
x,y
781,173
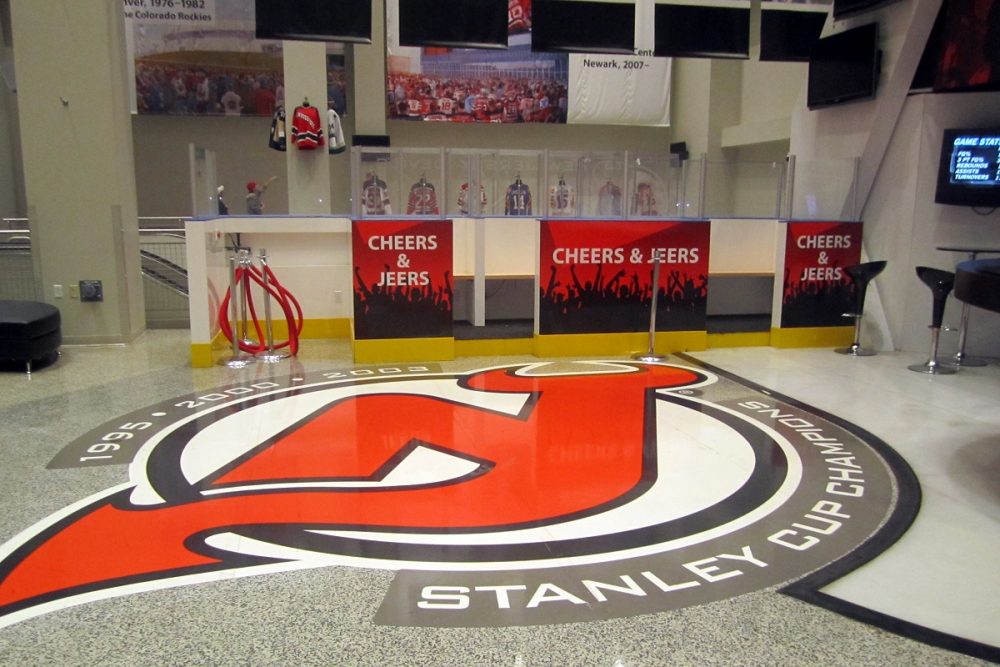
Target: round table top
x,y
977,282
968,249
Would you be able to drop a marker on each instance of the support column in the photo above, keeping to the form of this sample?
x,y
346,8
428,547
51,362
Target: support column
x,y
76,137
369,66
308,171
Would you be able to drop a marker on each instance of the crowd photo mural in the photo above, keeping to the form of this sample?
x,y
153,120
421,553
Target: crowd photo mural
x,y
208,62
518,85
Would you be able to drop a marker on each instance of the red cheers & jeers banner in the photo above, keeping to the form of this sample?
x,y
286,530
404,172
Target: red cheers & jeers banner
x,y
815,290
402,278
596,276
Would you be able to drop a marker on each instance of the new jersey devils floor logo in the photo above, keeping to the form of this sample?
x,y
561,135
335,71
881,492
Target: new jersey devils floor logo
x,y
524,494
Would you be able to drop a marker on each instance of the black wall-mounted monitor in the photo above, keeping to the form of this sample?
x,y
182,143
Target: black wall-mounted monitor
x,y
471,24
698,31
969,168
582,27
789,35
844,8
315,20
844,67
969,48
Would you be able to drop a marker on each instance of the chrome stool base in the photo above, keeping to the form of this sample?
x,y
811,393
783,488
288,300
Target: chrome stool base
x,y
933,367
960,360
856,350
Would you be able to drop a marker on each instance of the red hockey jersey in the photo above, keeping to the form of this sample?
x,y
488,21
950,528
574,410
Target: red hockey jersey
x,y
423,199
307,130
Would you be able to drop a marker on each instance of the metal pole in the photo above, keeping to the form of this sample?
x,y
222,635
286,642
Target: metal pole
x,y
245,261
650,354
268,355
238,359
960,358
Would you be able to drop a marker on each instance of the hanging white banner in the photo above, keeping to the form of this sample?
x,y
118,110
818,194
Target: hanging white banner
x,y
622,90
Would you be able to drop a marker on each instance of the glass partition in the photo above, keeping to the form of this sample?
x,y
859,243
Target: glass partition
x,y
743,189
398,182
606,184
822,189
602,184
650,191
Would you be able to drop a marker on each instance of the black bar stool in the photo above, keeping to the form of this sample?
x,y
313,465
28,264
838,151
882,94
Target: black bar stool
x,y
940,283
861,274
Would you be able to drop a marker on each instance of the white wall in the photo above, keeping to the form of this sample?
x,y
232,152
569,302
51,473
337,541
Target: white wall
x,y
904,226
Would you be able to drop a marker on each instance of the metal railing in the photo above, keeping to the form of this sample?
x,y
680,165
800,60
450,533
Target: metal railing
x,y
17,272
163,261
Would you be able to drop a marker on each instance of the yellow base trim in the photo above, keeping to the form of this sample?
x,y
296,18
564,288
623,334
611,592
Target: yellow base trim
x,y
380,350
582,345
812,337
495,347
206,355
202,355
314,329
744,339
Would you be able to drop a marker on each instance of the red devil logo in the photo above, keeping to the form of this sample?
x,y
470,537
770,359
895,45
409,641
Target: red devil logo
x,y
314,471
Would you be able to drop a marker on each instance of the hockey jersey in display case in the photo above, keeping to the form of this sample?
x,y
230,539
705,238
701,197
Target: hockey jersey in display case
x,y
463,199
562,199
375,196
643,200
609,199
422,199
518,199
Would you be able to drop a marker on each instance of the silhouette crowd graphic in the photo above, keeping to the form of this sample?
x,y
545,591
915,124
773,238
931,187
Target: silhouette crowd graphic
x,y
622,303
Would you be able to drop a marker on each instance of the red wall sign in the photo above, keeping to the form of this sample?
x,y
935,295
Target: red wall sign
x,y
402,278
815,291
596,276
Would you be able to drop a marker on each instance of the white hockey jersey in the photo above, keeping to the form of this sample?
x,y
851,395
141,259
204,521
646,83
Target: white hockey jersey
x,y
336,132
562,199
375,196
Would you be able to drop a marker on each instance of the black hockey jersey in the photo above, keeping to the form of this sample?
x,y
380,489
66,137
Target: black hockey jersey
x,y
277,140
518,199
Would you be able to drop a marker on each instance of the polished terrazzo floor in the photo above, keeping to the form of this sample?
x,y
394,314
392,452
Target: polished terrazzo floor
x,y
941,575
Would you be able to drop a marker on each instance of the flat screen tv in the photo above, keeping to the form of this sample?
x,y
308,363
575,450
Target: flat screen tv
x,y
968,56
470,24
315,20
844,67
969,169
789,35
845,8
582,27
697,31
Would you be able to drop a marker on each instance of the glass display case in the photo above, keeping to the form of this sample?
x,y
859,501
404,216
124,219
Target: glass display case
x,y
513,181
601,178
466,194
563,176
398,181
652,193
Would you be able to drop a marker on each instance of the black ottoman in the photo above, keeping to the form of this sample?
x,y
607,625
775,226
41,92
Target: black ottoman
x,y
29,330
